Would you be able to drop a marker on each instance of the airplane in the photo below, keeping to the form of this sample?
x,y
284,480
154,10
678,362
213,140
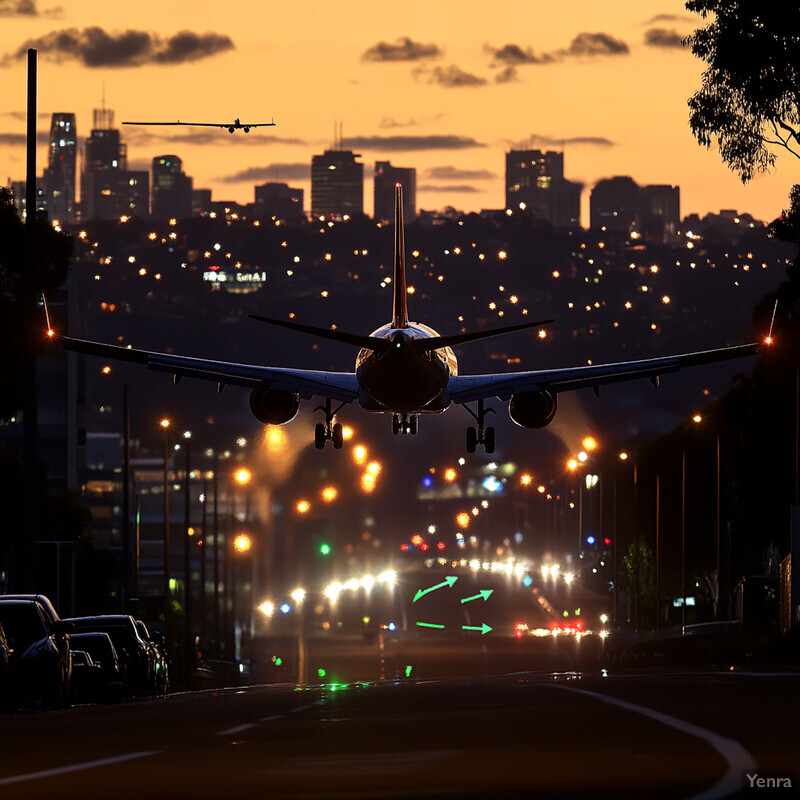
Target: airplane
x,y
231,126
404,369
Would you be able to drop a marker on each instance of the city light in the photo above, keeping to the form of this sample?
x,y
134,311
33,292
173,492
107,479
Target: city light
x,y
242,543
302,506
242,476
329,494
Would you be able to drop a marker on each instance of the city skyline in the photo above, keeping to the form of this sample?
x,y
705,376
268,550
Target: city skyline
x,y
447,99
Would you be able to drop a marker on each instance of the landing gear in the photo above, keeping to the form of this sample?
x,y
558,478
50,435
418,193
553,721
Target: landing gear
x,y
328,430
480,434
405,424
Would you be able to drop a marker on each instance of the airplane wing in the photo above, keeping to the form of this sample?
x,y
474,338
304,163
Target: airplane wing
x,y
341,386
467,388
209,124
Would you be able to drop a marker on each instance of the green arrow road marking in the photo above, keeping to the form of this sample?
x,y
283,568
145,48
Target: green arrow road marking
x,y
449,581
429,625
484,593
482,628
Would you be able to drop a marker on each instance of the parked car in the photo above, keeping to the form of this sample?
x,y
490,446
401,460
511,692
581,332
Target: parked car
x,y
39,653
47,606
137,656
87,677
158,645
101,649
5,689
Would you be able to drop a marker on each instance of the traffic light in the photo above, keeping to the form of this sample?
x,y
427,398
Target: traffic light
x,y
325,549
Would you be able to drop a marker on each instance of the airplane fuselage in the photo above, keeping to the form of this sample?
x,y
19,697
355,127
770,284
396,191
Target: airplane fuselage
x,y
402,380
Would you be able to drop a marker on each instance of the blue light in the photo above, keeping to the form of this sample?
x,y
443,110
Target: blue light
x,y
392,627
590,540
491,484
427,481
527,580
285,608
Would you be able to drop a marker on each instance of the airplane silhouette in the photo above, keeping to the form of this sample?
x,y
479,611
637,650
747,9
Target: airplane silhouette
x,y
405,369
231,126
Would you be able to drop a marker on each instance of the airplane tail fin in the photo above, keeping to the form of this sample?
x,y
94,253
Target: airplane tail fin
x,y
400,309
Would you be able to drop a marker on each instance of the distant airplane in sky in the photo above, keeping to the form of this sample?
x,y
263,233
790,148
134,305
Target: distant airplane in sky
x,y
231,126
404,369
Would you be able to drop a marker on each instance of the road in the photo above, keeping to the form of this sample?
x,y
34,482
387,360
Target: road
x,y
516,733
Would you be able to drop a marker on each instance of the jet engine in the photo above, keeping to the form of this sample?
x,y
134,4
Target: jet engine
x,y
532,409
274,406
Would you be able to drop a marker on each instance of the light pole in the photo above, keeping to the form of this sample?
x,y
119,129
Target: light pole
x,y
167,628
188,637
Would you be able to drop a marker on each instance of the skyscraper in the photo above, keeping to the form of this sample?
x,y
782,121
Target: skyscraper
x,y
279,200
108,189
172,189
386,176
337,185
535,183
61,168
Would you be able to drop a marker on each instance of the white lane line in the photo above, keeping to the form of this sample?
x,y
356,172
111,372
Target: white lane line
x,y
737,758
49,773
236,729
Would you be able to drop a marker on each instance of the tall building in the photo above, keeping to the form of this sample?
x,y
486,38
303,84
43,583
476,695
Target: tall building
x,y
337,185
279,200
620,204
615,204
172,189
535,183
386,176
61,171
108,189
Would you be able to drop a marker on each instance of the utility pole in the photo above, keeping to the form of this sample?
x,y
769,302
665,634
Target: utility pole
x,y
30,417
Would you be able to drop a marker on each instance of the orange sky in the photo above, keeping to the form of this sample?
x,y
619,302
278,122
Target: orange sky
x,y
461,83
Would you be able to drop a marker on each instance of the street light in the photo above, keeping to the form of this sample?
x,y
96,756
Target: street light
x,y
165,427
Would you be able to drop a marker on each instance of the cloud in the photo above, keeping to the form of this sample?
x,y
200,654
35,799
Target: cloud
x,y
412,122
508,75
574,141
513,54
404,49
451,77
410,143
669,18
663,38
94,47
596,44
455,188
272,172
142,136
584,44
13,139
455,174
26,8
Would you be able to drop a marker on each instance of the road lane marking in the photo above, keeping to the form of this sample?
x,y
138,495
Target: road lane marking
x,y
236,729
737,758
49,773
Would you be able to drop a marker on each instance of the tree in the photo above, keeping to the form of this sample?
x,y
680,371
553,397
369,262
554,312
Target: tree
x,y
750,96
53,250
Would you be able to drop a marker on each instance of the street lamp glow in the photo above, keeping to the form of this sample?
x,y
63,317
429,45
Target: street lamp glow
x,y
623,456
242,476
697,418
526,479
449,474
589,443
572,464
359,454
267,608
303,507
164,423
242,543
347,433
374,468
462,520
298,595
330,493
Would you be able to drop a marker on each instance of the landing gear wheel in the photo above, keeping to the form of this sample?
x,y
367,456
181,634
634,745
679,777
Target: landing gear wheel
x,y
413,425
337,436
488,440
396,424
320,435
472,439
